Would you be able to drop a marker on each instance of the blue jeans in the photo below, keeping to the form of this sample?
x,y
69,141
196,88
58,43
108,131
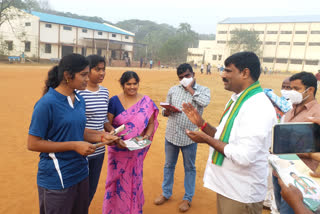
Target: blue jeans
x,y
95,166
282,205
189,158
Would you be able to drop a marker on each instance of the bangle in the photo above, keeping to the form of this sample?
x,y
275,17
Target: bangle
x,y
204,126
148,136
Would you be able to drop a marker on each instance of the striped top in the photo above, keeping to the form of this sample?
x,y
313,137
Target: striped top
x,y
96,111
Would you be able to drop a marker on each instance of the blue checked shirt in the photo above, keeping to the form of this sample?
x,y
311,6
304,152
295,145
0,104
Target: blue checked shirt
x,y
179,122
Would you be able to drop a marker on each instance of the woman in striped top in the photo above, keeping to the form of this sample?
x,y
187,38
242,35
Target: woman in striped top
x,y
97,99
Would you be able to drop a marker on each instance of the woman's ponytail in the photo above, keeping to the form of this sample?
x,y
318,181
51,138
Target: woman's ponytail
x,y
53,79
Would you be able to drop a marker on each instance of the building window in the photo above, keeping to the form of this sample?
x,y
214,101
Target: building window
x,y
47,48
299,43
312,62
314,43
28,24
222,32
67,28
301,32
127,37
214,57
84,30
100,33
260,32
315,32
114,35
221,42
268,60
220,57
48,26
271,43
27,46
99,51
283,61
272,32
296,61
10,45
284,43
286,32
84,51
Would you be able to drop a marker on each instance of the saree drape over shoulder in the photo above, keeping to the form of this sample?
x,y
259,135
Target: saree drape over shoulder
x,y
124,189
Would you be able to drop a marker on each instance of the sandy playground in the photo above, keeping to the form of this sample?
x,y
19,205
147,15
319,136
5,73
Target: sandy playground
x,y
21,86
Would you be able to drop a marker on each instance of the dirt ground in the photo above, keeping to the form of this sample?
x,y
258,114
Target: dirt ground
x,y
21,86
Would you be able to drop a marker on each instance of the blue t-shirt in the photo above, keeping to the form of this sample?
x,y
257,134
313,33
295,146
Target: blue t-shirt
x,y
115,106
55,119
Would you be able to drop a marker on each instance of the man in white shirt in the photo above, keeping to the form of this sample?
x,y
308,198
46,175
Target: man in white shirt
x,y
237,167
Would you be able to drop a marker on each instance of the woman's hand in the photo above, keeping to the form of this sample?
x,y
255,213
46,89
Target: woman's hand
x,y
84,148
108,137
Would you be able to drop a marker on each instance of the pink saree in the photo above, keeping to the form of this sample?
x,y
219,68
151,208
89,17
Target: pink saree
x,y
124,190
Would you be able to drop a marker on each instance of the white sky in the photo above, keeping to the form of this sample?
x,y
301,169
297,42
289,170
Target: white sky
x,y
202,15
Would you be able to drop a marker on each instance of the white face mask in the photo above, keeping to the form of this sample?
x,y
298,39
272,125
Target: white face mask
x,y
186,81
284,93
295,97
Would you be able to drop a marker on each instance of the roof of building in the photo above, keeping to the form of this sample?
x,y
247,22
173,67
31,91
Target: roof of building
x,y
271,19
45,17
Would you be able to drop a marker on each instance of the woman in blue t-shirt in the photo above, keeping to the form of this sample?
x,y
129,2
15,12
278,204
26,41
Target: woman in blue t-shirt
x,y
57,130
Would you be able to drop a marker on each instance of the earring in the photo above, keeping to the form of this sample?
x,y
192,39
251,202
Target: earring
x,y
67,81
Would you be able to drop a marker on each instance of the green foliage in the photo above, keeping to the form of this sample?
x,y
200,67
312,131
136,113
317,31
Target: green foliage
x,y
164,42
245,40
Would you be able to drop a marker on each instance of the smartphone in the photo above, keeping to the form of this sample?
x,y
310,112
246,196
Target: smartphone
x,y
296,138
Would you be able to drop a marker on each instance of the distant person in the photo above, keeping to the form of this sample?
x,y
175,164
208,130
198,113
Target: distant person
x,y
176,139
151,63
129,62
201,68
159,64
141,62
126,59
23,58
195,66
57,131
124,185
265,70
110,61
221,69
208,68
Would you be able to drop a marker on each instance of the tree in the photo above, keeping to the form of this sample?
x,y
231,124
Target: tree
x,y
244,40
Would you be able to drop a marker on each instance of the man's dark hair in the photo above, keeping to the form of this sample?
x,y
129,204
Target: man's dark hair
x,y
183,68
244,60
308,80
94,60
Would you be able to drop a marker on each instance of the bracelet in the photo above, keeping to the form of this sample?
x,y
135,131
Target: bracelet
x,y
148,136
204,126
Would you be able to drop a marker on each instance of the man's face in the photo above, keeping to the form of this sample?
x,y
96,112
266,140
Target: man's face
x,y
286,85
186,74
299,87
231,77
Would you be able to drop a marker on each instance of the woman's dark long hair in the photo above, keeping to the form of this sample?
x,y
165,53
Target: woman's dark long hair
x,y
72,64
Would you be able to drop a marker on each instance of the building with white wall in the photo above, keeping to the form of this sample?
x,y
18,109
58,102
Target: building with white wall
x,y
47,36
287,43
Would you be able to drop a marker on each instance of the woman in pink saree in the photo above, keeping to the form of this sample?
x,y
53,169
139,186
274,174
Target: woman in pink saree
x,y
124,189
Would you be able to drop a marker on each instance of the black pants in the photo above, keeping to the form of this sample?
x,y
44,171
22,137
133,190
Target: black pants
x,y
95,165
72,200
